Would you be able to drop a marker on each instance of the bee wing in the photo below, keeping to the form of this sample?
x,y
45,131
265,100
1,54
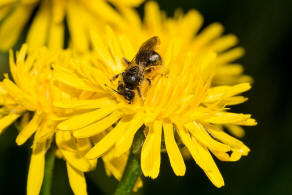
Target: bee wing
x,y
148,45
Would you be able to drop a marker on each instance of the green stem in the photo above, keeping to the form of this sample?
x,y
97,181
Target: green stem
x,y
49,169
133,168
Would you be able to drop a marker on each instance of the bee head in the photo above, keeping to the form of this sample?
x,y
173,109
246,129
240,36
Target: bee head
x,y
129,95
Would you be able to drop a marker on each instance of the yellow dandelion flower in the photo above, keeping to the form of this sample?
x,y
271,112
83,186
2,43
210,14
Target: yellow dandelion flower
x,y
48,25
186,28
179,108
29,98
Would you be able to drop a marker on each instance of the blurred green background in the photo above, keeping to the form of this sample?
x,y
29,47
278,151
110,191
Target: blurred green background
x,y
264,28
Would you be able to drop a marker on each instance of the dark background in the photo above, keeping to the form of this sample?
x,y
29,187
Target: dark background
x,y
264,28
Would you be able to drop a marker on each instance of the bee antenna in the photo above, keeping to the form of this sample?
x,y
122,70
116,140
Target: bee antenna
x,y
111,88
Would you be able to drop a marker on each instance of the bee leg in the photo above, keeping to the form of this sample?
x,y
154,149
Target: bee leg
x,y
163,71
126,62
139,93
149,70
113,89
115,77
149,81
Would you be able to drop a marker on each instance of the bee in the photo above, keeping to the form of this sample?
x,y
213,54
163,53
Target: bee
x,y
143,63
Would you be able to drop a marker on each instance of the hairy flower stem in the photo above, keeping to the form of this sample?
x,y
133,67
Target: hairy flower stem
x,y
133,168
48,178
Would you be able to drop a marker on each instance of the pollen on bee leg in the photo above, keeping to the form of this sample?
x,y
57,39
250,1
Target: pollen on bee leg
x,y
144,87
163,71
159,70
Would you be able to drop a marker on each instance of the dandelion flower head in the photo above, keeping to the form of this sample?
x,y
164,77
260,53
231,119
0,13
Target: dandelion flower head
x,y
180,105
29,99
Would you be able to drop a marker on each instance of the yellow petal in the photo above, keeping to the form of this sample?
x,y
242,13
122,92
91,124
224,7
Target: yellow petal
x,y
45,131
83,104
230,70
237,89
102,9
175,157
221,93
133,19
71,80
56,34
236,130
80,38
58,10
4,11
193,20
114,46
76,160
5,2
76,180
230,56
19,95
234,100
126,139
248,122
102,52
29,129
67,145
13,25
82,120
65,141
150,154
36,169
38,31
203,137
208,34
7,120
115,165
138,184
235,156
152,16
224,43
233,142
98,126
107,142
131,3
213,173
82,145
228,118
25,119
202,157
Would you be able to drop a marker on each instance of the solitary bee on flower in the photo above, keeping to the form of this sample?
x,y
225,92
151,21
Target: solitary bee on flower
x,y
180,113
143,63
